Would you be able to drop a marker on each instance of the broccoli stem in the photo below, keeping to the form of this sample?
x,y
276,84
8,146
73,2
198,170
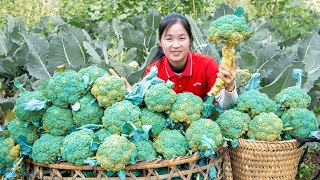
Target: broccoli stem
x,y
228,52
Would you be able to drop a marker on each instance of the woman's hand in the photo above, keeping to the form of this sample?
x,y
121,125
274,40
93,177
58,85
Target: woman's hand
x,y
228,76
113,73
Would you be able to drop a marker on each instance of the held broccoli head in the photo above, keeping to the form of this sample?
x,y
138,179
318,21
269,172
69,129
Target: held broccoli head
x,y
57,121
119,113
202,127
265,127
293,97
76,146
17,128
108,90
65,88
187,108
92,72
89,112
115,153
27,115
47,149
170,143
145,150
160,97
302,120
254,103
9,153
233,123
156,119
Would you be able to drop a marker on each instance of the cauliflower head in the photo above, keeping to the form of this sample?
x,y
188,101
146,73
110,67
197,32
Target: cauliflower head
x,y
156,119
265,127
202,127
233,123
115,153
47,149
119,113
18,127
65,88
9,153
293,97
254,103
76,146
170,143
27,115
92,72
89,112
302,120
108,90
187,108
145,150
57,121
160,97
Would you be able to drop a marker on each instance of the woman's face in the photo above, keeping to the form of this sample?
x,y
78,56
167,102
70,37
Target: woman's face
x,y
175,43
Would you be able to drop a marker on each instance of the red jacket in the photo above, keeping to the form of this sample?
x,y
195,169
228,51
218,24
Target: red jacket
x,y
198,77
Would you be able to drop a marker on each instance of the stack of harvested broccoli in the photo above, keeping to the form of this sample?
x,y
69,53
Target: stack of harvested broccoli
x,y
88,116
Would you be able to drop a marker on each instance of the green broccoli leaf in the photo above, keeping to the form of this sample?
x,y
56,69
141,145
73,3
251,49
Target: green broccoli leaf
x,y
9,174
19,86
91,161
90,126
122,175
26,148
210,144
315,134
95,143
212,173
34,105
297,76
234,143
254,83
134,157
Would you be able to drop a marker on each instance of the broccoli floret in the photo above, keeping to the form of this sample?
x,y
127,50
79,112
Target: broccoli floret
x,y
242,78
76,146
108,90
156,119
230,29
47,149
160,97
254,103
119,113
115,153
102,134
18,127
92,72
302,120
197,129
89,112
9,153
65,88
145,150
265,127
293,97
233,123
27,115
170,143
57,121
187,108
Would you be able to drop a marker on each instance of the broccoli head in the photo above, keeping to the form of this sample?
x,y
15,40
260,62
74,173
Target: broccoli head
x,y
76,146
47,149
115,153
233,123
108,90
160,97
145,150
170,143
65,88
254,103
301,120
57,121
155,119
293,97
89,112
187,108
92,72
102,134
18,127
202,127
119,113
265,127
27,115
9,153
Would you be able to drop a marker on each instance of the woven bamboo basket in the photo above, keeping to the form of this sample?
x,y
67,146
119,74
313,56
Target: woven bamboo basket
x,y
265,160
67,171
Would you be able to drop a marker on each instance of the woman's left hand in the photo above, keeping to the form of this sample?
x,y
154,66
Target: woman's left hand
x,y
228,76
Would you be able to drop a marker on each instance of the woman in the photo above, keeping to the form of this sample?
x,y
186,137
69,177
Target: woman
x,y
190,71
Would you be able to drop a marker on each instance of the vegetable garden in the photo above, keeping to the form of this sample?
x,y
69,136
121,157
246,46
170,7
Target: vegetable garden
x,y
59,104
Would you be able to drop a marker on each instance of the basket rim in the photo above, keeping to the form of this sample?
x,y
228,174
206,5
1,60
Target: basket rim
x,y
269,142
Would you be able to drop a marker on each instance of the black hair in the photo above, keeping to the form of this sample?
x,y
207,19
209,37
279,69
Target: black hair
x,y
166,23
